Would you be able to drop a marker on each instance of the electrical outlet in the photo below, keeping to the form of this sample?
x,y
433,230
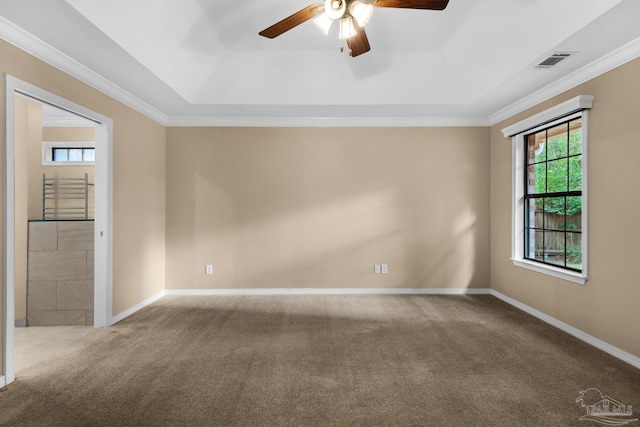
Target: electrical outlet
x,y
376,269
384,269
208,269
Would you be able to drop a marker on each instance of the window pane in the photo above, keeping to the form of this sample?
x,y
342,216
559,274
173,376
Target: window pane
x,y
533,246
537,178
574,250
557,141
574,211
536,147
75,154
554,218
532,221
554,247
539,255
539,213
557,176
60,155
89,154
575,173
575,137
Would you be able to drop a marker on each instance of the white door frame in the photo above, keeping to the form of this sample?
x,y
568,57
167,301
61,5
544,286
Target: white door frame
x,y
103,214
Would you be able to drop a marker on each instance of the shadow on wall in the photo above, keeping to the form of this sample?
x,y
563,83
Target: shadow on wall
x,y
323,222
337,242
450,260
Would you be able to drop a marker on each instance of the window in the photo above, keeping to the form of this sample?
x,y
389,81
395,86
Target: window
x,y
549,222
68,153
553,195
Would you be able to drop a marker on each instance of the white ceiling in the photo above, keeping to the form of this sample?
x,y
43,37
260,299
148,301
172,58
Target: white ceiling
x,y
57,117
202,61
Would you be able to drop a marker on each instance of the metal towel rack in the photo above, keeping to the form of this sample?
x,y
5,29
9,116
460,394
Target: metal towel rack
x,y
74,192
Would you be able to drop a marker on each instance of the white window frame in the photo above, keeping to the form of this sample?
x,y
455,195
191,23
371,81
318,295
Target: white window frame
x,y
576,107
47,148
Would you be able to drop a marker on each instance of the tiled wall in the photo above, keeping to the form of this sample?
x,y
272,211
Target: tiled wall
x,y
60,273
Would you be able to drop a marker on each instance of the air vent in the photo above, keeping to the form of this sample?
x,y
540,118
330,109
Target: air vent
x,y
554,59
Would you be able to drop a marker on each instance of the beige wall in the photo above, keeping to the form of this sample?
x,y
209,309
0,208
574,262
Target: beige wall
x,y
36,168
138,178
607,306
28,132
317,208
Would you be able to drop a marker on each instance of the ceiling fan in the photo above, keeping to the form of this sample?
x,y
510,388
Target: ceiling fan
x,y
353,15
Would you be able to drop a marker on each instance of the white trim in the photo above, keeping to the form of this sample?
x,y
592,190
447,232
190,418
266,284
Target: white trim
x,y
318,121
297,291
34,46
571,106
128,312
612,60
8,282
329,291
585,195
103,224
550,270
589,339
103,211
2,381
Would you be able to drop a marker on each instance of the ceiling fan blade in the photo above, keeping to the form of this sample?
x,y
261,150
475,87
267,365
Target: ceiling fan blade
x,y
359,43
292,21
413,4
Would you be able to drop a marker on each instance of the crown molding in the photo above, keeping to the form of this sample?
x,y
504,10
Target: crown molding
x,y
319,121
27,42
34,46
571,106
616,58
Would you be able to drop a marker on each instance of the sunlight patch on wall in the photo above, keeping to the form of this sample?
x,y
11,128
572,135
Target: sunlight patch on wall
x,y
292,245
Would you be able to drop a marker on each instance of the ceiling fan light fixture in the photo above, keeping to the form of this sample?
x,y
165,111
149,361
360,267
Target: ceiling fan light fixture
x,y
335,9
361,12
347,29
352,15
323,22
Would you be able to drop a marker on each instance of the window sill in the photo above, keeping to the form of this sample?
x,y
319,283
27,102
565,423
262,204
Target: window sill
x,y
66,163
551,271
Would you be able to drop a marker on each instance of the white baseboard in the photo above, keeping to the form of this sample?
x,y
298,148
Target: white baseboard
x,y
2,382
115,319
331,291
300,291
608,348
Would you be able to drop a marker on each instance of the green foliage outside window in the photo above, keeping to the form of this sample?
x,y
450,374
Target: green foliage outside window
x,y
555,175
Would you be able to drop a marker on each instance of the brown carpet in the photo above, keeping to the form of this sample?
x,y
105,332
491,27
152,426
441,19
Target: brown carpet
x,y
321,360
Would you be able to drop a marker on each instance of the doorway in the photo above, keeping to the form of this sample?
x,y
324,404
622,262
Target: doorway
x,y
102,209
